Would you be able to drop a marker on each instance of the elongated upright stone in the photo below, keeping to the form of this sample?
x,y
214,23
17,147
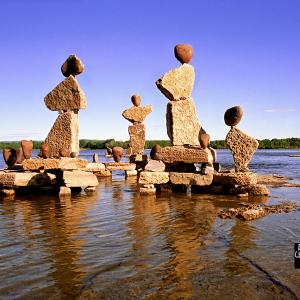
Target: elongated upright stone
x,y
64,134
242,147
137,138
66,96
183,125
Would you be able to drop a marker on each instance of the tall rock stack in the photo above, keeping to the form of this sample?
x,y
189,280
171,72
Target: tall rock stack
x,y
66,98
183,125
136,115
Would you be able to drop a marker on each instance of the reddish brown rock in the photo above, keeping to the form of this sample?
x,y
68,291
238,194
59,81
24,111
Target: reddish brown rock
x,y
117,153
186,154
27,147
204,140
137,138
154,151
233,115
73,154
137,114
10,156
44,151
72,66
64,152
183,52
20,156
136,100
95,158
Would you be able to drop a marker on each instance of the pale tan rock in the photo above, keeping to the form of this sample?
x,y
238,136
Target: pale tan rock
x,y
238,178
64,192
90,189
94,167
64,134
131,173
9,193
138,158
147,191
256,190
78,178
182,123
155,166
186,154
191,178
137,114
178,83
104,173
137,138
147,186
252,214
153,177
66,96
122,166
242,147
22,179
63,163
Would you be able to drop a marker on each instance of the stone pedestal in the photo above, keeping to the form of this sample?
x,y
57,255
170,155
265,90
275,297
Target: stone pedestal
x,y
137,138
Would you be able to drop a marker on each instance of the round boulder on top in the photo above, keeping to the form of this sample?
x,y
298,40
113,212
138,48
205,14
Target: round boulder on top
x,y
136,100
233,115
72,66
117,153
183,52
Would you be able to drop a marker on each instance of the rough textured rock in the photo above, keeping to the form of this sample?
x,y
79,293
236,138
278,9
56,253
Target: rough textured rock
x,y
187,154
66,96
155,166
137,138
178,83
190,178
72,66
241,178
64,163
79,179
153,177
137,114
117,153
27,147
63,134
183,52
242,147
183,125
233,115
123,166
10,156
136,100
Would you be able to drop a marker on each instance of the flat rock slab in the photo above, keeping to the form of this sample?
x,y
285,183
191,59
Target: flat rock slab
x,y
182,122
78,178
191,178
153,177
63,163
22,179
94,167
137,114
178,83
64,134
239,178
186,154
66,96
114,166
242,147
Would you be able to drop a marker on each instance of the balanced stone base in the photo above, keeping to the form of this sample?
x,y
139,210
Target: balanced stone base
x,y
190,178
104,173
94,167
232,178
137,138
114,166
153,177
79,179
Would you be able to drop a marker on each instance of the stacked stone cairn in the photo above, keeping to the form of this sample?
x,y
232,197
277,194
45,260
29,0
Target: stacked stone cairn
x,y
173,167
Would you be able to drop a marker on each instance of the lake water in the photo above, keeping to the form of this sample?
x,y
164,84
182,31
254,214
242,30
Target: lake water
x,y
116,244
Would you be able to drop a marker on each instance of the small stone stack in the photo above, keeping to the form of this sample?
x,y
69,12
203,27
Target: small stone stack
x,y
66,98
136,115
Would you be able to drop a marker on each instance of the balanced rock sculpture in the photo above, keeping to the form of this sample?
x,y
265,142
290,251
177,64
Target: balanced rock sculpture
x,y
136,115
241,145
177,85
67,98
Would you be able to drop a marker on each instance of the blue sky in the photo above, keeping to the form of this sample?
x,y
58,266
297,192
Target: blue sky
x,y
245,53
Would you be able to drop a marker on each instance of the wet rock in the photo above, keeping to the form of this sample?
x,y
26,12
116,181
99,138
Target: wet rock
x,y
7,193
117,153
130,173
66,96
147,190
155,149
153,177
27,147
63,134
182,122
178,83
183,52
242,147
155,166
137,138
137,114
190,178
72,66
136,100
10,156
44,151
186,154
240,178
64,152
233,115
90,189
95,158
64,192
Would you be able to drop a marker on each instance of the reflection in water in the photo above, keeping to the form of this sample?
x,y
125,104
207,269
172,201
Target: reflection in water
x,y
116,243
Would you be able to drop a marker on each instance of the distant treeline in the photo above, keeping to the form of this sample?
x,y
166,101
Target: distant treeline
x,y
289,143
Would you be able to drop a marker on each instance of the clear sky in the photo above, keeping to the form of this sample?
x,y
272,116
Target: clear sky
x,y
245,53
